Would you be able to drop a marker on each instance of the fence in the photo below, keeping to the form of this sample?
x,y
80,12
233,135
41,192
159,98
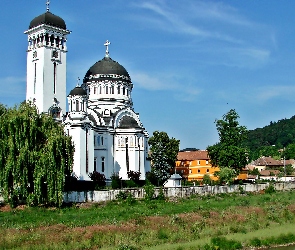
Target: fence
x,y
180,192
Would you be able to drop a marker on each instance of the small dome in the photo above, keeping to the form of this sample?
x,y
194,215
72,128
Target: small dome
x,y
78,91
50,19
128,122
106,66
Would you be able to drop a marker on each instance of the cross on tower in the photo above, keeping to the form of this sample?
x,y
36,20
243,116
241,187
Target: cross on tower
x,y
107,43
78,82
47,5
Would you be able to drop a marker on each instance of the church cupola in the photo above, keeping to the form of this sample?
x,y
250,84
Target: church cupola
x,y
108,81
77,100
46,62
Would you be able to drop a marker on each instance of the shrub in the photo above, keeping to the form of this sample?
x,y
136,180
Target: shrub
x,y
206,179
270,189
225,244
134,176
116,181
122,195
149,191
98,178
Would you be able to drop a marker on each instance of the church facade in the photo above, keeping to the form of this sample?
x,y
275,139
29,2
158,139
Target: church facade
x,y
107,133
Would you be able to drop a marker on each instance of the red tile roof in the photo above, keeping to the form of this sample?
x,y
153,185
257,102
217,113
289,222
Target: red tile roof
x,y
193,155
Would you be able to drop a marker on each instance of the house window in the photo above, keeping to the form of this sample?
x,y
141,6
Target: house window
x,y
102,164
107,90
118,89
35,77
94,90
207,162
199,162
99,89
199,171
207,170
94,141
190,171
123,90
94,164
102,140
54,78
77,105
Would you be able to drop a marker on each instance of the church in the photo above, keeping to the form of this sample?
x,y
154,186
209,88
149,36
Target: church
x,y
107,133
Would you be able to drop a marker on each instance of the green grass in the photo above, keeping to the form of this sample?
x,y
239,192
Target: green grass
x,y
182,224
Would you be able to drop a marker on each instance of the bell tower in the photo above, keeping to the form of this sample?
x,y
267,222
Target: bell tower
x,y
46,63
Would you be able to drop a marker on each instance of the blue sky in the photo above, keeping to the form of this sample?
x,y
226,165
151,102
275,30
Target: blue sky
x,y
190,61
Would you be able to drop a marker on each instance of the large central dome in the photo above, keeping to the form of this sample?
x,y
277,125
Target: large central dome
x,y
50,19
106,69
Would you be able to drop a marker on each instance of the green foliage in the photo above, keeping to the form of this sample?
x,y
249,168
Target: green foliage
x,y
122,195
224,244
226,175
270,189
288,169
134,176
149,190
161,195
268,140
229,152
164,152
98,178
116,181
255,171
35,156
206,179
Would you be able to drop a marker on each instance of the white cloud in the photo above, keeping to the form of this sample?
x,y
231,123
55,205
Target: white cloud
x,y
183,92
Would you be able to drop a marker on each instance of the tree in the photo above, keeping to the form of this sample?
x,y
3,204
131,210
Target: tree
x,y
229,152
164,152
35,157
226,175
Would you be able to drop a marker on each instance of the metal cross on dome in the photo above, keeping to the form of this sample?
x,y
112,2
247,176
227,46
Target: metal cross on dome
x,y
47,5
78,82
107,43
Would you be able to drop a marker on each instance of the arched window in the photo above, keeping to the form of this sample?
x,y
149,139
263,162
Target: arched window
x,y
54,77
112,89
118,90
77,105
107,89
123,90
102,164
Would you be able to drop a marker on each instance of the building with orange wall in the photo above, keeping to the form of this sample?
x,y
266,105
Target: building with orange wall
x,y
193,165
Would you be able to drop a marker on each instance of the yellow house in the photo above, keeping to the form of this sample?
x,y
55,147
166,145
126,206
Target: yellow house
x,y
195,164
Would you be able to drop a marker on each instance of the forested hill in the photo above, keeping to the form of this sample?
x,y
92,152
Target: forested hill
x,y
277,134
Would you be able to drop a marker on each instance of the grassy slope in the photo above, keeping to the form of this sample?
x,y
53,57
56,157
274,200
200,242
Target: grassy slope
x,y
182,224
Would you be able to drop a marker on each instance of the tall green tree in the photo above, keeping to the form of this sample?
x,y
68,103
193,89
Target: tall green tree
x,y
164,152
35,156
229,152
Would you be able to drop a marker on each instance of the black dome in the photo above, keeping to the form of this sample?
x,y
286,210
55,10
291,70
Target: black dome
x,y
106,66
128,122
78,91
50,19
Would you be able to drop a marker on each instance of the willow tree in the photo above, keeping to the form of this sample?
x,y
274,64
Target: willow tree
x,y
35,156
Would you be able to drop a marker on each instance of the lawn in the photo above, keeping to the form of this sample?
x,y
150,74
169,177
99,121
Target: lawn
x,y
192,223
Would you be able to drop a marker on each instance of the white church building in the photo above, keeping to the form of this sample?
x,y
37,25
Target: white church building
x,y
107,133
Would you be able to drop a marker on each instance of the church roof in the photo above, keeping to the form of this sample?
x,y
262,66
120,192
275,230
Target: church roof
x,y
128,122
78,91
50,19
107,66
